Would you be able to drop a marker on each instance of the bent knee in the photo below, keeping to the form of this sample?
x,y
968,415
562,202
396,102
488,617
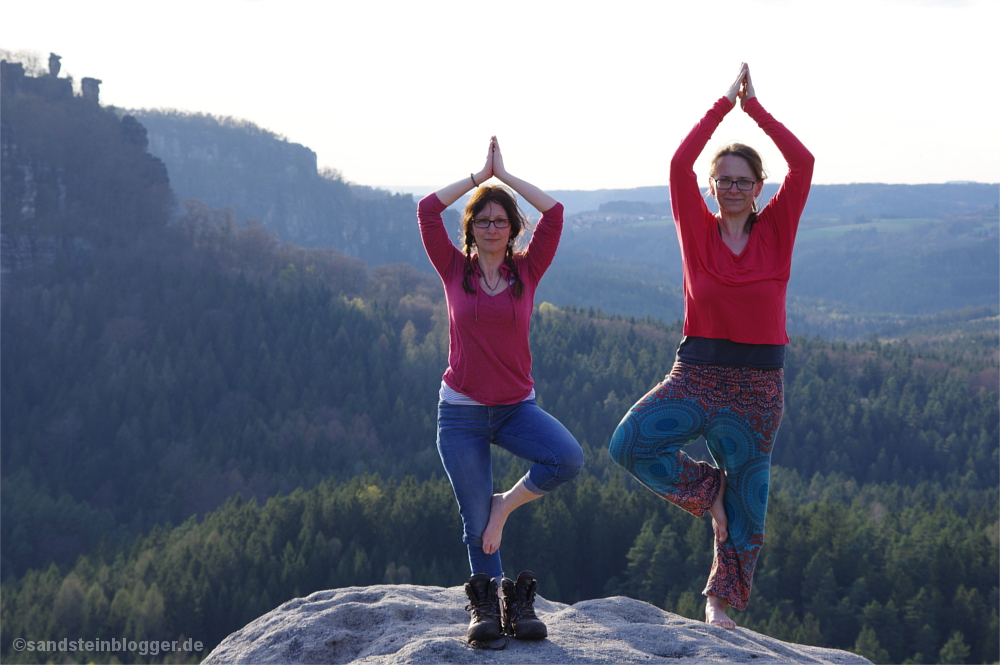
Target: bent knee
x,y
619,445
573,462
566,470
569,471
543,478
567,463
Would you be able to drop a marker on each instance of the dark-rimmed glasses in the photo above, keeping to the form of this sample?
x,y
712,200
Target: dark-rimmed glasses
x,y
483,223
743,185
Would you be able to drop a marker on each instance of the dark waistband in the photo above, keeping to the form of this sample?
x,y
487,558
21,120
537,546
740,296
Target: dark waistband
x,y
707,351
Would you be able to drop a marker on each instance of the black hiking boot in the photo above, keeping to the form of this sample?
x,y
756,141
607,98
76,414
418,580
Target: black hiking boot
x,y
484,604
519,616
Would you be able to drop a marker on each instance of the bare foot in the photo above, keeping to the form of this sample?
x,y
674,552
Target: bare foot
x,y
494,528
501,506
715,613
720,523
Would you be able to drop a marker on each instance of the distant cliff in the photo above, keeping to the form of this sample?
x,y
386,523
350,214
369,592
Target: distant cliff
x,y
225,162
73,168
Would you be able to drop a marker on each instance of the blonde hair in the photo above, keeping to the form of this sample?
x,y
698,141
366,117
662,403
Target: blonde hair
x,y
753,160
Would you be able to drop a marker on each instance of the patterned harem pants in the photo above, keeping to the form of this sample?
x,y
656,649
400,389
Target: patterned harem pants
x,y
738,410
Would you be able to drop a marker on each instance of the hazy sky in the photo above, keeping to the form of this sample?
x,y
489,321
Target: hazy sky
x,y
581,96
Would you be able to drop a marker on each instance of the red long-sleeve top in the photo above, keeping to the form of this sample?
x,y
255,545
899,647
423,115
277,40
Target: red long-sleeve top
x,y
489,358
738,297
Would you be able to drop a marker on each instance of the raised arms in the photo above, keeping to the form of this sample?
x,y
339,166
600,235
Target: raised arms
x,y
451,193
533,195
494,167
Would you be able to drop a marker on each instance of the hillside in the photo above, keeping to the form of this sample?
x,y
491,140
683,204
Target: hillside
x,y
224,162
839,202
870,258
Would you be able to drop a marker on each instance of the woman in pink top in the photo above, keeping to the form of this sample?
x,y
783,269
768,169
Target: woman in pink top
x,y
727,381
487,395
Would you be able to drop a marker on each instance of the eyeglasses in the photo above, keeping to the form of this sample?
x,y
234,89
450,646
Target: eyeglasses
x,y
726,183
482,223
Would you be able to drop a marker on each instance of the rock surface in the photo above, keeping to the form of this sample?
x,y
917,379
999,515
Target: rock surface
x,y
396,624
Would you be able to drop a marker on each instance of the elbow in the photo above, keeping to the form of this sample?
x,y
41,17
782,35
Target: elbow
x,y
677,165
803,165
808,159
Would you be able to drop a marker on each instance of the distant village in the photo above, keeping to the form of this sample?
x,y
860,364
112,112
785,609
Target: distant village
x,y
615,213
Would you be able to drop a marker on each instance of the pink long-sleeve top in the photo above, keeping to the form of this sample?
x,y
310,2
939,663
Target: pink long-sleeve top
x,y
489,358
738,297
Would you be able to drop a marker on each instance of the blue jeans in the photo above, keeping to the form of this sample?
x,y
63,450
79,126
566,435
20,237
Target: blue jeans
x,y
465,434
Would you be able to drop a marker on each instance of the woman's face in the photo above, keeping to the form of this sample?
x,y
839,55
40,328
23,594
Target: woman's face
x,y
734,200
491,239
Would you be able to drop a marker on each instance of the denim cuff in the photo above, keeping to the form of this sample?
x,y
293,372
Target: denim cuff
x,y
532,487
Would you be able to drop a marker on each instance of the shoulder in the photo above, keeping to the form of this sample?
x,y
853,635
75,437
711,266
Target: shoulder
x,y
431,204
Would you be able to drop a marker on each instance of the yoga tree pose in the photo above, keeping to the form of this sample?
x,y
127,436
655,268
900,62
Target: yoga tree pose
x,y
487,395
727,381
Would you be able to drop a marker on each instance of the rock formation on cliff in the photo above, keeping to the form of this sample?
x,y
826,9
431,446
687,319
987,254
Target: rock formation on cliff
x,y
395,624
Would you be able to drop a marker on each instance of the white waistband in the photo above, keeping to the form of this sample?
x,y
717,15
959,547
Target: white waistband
x,y
447,394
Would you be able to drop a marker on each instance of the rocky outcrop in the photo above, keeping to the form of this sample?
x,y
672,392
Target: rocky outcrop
x,y
70,169
50,88
90,89
397,624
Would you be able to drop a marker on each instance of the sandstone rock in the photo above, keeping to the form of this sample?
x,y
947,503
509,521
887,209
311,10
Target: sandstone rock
x,y
395,624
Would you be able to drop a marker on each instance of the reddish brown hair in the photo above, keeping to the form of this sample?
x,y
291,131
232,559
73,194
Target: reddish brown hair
x,y
479,200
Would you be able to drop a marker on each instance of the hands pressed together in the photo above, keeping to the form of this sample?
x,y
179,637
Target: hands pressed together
x,y
494,167
742,87
494,164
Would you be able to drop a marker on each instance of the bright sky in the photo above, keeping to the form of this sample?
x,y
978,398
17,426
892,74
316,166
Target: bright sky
x,y
581,96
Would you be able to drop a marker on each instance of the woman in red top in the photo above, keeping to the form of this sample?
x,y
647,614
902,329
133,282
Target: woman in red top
x,y
727,381
487,395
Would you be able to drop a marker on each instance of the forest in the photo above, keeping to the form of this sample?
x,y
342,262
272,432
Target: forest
x,y
203,422
234,369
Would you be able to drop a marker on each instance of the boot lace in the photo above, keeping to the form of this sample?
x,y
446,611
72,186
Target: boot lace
x,y
524,603
487,606
483,608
